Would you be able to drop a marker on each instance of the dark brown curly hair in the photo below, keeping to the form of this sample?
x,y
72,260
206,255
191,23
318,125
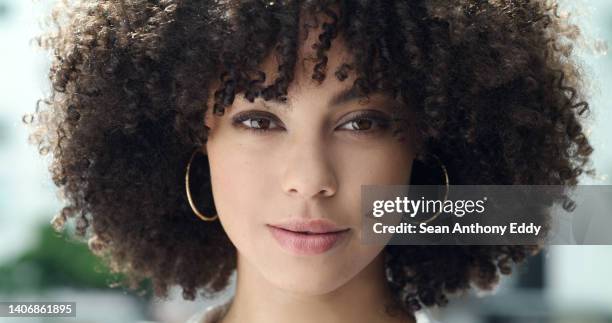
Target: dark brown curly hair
x,y
495,89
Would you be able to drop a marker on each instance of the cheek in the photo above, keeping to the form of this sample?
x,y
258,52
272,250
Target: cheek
x,y
240,185
386,164
239,176
231,171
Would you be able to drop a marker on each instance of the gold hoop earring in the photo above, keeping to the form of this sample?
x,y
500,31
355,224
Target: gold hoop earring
x,y
189,198
446,185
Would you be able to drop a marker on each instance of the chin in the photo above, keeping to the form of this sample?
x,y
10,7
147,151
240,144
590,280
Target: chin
x,y
311,284
308,275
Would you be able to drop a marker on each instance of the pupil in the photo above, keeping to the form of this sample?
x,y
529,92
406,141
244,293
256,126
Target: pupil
x,y
261,123
363,123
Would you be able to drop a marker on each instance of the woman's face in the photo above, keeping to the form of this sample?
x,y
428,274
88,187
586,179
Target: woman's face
x,y
309,163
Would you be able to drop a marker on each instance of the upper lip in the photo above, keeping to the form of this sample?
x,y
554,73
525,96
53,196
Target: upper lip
x,y
319,225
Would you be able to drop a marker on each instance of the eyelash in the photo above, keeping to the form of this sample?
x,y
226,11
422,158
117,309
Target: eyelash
x,y
382,122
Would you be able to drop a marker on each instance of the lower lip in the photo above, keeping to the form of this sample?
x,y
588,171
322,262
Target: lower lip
x,y
306,244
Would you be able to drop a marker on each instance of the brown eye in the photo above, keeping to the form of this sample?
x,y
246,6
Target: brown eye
x,y
366,123
361,124
255,121
259,123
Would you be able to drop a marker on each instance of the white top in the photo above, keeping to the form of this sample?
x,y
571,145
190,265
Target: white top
x,y
211,314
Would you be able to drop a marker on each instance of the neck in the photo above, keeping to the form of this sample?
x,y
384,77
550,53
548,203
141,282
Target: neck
x,y
362,299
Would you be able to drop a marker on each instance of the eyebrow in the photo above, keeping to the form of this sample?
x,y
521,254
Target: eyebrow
x,y
343,97
339,98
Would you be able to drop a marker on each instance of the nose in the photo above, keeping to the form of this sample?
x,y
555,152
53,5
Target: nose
x,y
309,172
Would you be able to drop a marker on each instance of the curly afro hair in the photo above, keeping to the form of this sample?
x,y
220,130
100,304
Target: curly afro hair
x,y
498,97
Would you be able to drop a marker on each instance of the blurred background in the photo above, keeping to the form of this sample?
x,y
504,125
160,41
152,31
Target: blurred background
x,y
562,284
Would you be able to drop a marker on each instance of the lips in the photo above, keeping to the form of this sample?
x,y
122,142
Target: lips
x,y
311,237
309,226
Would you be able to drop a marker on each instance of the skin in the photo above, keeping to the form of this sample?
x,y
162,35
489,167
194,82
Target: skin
x,y
311,163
